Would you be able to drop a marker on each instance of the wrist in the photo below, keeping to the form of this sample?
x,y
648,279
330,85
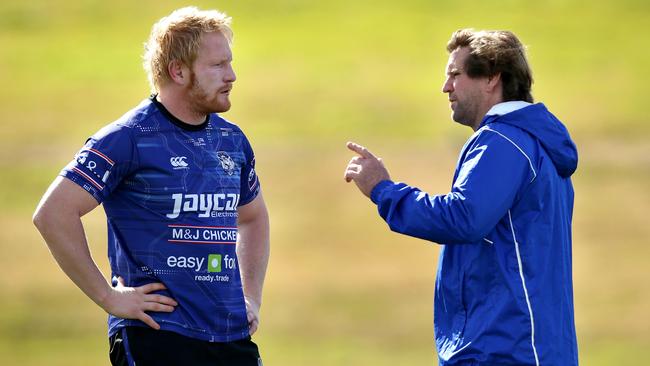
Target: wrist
x,y
375,193
254,301
104,299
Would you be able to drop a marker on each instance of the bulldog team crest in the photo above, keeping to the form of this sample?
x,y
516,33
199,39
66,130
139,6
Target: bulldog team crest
x,y
227,163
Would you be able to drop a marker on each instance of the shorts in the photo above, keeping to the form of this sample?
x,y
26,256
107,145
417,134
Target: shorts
x,y
145,346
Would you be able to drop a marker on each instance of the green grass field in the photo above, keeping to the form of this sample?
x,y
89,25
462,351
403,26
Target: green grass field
x,y
341,289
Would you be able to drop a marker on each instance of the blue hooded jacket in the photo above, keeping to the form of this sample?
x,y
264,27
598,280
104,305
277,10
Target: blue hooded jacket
x,y
504,289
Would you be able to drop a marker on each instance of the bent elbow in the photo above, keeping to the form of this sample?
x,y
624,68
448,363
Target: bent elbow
x,y
43,218
474,236
471,233
38,218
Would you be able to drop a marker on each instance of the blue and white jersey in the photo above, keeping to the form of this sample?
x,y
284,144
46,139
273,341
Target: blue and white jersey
x,y
171,192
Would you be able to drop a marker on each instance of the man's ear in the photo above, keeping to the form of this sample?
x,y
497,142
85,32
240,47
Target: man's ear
x,y
493,82
178,72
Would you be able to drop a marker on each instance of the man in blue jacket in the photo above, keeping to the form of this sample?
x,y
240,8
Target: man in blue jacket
x,y
504,292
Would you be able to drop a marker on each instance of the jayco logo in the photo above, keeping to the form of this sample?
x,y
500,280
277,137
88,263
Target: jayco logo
x,y
206,204
178,162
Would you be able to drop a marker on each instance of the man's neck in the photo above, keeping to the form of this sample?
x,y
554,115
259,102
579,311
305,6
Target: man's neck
x,y
494,100
179,108
507,107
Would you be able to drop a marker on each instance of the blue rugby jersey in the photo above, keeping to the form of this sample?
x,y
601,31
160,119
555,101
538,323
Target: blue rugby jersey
x,y
170,192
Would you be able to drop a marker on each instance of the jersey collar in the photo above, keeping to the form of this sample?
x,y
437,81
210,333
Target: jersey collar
x,y
176,121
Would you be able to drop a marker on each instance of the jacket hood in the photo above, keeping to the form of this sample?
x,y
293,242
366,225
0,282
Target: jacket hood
x,y
551,133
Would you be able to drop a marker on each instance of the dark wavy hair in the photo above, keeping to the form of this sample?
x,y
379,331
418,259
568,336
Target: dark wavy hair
x,y
496,52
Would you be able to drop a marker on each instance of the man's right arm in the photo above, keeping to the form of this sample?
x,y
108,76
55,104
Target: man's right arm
x,y
493,171
58,218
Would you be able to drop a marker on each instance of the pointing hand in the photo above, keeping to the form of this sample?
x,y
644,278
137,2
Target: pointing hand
x,y
366,170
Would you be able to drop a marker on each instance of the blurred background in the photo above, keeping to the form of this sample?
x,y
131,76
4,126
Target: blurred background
x,y
341,288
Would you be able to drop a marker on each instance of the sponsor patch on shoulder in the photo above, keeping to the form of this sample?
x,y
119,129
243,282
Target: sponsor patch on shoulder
x,y
94,166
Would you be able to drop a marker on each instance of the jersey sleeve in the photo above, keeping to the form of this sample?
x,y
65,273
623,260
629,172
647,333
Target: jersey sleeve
x,y
103,162
250,184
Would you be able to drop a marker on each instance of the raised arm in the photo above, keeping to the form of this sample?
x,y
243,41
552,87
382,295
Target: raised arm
x,y
489,178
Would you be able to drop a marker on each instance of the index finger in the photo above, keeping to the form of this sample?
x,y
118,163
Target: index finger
x,y
361,150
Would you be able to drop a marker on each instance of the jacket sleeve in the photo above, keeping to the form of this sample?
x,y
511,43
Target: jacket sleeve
x,y
491,174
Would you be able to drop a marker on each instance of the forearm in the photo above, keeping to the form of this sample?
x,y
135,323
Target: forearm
x,y
253,249
58,218
67,242
445,219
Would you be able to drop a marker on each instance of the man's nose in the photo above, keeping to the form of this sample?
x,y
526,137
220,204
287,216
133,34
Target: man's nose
x,y
230,75
447,87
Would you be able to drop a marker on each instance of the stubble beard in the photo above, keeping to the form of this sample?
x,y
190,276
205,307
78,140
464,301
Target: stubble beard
x,y
460,115
200,101
465,112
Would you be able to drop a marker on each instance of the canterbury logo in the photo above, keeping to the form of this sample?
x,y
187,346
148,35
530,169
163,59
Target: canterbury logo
x,y
178,161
